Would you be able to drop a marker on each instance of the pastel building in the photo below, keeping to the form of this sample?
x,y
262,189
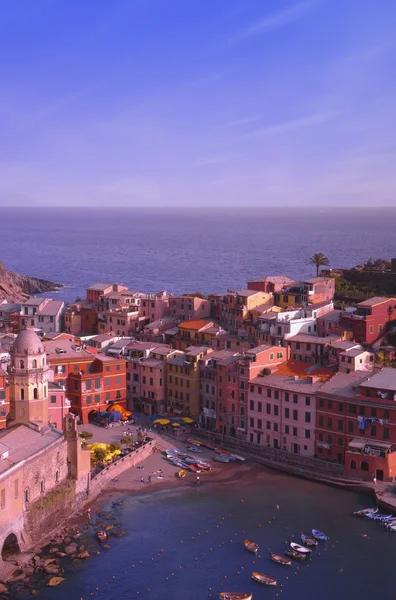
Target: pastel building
x,y
42,314
310,348
189,307
152,385
270,284
235,306
368,322
209,381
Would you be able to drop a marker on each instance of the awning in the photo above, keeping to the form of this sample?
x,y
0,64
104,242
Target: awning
x,y
358,443
361,443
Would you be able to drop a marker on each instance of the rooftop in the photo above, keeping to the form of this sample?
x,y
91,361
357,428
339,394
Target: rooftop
x,y
275,279
296,368
258,349
33,301
196,350
246,293
333,316
103,337
195,324
302,385
22,442
141,345
316,280
345,384
100,286
153,362
52,308
65,349
384,380
374,301
344,345
306,338
354,351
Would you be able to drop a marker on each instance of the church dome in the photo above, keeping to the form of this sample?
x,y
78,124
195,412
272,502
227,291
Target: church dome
x,y
28,342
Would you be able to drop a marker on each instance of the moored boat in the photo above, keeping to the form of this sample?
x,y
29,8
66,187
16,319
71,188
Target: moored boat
x,y
204,467
237,457
319,535
235,596
194,468
365,511
264,579
295,555
308,541
281,560
300,549
251,546
102,536
220,451
181,473
222,458
194,449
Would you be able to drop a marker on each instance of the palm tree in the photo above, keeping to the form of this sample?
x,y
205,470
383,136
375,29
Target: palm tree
x,y
319,260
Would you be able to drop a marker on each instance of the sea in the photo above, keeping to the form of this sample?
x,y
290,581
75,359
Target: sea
x,y
187,544
186,250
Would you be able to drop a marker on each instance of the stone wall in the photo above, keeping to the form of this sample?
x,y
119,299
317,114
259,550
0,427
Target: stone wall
x,y
102,479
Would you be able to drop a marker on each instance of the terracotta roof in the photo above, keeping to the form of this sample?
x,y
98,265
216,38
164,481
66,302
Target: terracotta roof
x,y
23,443
194,324
375,301
299,369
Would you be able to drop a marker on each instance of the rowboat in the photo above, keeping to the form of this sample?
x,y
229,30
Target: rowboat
x,y
181,473
300,549
365,511
220,451
194,449
251,546
190,460
204,467
237,457
194,468
264,579
102,536
194,442
235,596
222,458
281,560
319,535
308,541
295,555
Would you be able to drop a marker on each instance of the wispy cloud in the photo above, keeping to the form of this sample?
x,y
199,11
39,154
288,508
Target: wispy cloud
x,y
276,20
239,122
294,125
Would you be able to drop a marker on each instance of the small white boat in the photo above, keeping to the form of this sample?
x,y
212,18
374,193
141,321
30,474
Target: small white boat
x,y
223,458
300,549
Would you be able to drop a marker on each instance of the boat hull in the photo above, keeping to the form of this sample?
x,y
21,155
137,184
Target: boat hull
x,y
264,579
281,560
251,546
235,596
300,549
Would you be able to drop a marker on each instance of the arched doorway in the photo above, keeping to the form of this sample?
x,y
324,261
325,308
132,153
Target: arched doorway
x,y
10,547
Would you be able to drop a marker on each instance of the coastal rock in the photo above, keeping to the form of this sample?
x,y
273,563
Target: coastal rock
x,y
34,592
54,551
28,571
51,570
55,581
84,554
16,288
3,588
67,540
71,549
61,554
118,533
49,561
17,578
106,546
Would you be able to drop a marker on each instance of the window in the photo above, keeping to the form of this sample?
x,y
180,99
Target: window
x,y
88,384
386,433
252,388
276,410
353,464
107,395
53,399
307,401
268,424
287,413
340,407
307,434
259,424
89,400
269,392
364,466
321,421
276,394
108,368
340,425
97,382
16,488
373,430
320,437
298,346
268,409
321,403
329,423
275,426
295,431
350,426
287,396
259,406
329,439
251,422
373,411
295,415
287,429
330,404
118,367
251,404
57,476
279,355
76,368
107,381
97,398
260,389
340,441
271,356
307,417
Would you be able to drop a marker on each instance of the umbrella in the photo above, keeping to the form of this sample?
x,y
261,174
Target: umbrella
x,y
164,421
187,420
158,421
175,424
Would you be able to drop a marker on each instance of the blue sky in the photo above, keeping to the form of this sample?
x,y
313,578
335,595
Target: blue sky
x,y
197,102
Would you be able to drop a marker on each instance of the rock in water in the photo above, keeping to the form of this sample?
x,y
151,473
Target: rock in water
x,y
55,581
71,549
3,588
84,554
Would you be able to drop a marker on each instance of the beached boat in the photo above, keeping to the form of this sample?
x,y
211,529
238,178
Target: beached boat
x,y
319,535
300,549
264,579
251,546
181,473
181,464
194,449
102,536
237,457
204,467
295,555
194,442
222,458
190,460
281,560
235,596
194,468
220,451
308,541
365,511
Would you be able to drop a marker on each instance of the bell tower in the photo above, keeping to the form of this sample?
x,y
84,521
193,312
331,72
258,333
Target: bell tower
x,y
28,379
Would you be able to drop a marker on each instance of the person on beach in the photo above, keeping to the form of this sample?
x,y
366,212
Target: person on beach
x,y
142,479
197,479
149,479
89,514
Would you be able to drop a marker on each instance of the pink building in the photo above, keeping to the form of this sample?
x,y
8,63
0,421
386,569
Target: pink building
x,y
311,348
209,381
282,413
154,306
58,405
189,307
270,284
152,385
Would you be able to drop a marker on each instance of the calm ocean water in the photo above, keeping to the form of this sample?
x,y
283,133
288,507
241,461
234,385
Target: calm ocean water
x,y
197,534
187,250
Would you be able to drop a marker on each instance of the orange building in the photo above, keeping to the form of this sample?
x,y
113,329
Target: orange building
x,y
4,400
93,389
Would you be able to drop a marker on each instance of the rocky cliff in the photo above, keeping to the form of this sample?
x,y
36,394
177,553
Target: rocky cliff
x,y
16,288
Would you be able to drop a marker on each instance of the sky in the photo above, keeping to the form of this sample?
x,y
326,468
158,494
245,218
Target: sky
x,y
197,103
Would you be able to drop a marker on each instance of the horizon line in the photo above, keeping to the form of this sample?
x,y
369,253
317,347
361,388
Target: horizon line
x,y
196,208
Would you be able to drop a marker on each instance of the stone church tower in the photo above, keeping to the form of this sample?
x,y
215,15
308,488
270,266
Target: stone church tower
x,y
28,379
